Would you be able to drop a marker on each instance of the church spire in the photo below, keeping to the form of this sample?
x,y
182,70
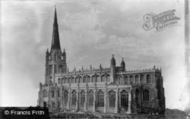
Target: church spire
x,y
55,36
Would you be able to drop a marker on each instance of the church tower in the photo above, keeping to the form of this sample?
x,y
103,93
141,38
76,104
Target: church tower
x,y
55,58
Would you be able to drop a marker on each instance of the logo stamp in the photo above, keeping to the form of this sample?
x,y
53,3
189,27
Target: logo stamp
x,y
160,21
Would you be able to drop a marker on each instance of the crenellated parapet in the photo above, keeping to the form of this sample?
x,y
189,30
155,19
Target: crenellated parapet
x,y
130,77
154,69
88,71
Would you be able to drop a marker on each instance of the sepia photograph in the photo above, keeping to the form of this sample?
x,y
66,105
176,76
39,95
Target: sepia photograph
x,y
94,59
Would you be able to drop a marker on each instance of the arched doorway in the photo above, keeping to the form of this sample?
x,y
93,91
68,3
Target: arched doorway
x,y
124,99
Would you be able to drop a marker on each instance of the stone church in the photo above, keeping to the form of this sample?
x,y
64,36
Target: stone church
x,y
112,89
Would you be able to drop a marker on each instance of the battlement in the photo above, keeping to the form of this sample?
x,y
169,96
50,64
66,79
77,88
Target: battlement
x,y
154,69
88,71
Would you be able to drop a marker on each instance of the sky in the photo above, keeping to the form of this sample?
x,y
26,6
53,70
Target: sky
x,y
90,32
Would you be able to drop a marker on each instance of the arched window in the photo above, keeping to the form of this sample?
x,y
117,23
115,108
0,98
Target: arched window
x,y
45,104
74,98
124,99
76,79
82,98
64,80
136,79
60,68
131,79
88,79
44,93
72,79
69,79
100,97
65,97
50,82
52,94
58,105
142,79
90,98
145,95
121,80
108,78
80,80
55,68
98,78
112,98
94,78
55,57
137,97
50,69
59,81
118,79
58,93
148,78
84,79
53,105
103,79
126,80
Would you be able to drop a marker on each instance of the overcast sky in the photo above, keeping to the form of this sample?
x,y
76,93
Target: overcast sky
x,y
90,31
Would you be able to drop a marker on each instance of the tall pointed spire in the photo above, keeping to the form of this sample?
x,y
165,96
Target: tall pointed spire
x,y
55,36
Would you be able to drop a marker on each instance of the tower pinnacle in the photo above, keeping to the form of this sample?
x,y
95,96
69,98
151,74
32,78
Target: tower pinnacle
x,y
55,36
113,60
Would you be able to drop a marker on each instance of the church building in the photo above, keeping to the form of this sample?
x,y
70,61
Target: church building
x,y
112,89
